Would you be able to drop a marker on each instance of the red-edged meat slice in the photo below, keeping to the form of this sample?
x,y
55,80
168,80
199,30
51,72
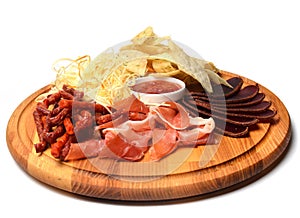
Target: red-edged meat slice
x,y
121,148
86,149
164,142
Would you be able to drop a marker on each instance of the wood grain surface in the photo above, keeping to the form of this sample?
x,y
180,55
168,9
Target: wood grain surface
x,y
186,172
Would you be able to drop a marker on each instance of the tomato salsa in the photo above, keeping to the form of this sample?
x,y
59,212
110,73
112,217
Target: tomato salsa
x,y
156,87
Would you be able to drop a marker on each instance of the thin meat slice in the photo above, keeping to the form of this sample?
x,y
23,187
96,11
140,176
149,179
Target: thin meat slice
x,y
131,134
121,148
244,94
174,115
260,107
261,116
236,131
198,142
198,131
131,104
225,117
266,116
235,82
259,97
164,142
86,149
255,100
221,91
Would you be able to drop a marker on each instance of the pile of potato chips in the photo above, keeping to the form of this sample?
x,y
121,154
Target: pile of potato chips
x,y
106,79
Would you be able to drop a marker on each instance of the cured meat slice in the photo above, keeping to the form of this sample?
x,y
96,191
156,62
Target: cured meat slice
x,y
234,120
86,149
263,115
256,108
235,82
164,142
198,131
129,140
242,108
235,130
266,116
198,142
255,100
174,115
225,91
130,133
224,116
131,104
121,148
244,94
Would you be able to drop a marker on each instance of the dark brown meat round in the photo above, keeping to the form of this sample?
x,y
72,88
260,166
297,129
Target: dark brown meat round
x,y
225,91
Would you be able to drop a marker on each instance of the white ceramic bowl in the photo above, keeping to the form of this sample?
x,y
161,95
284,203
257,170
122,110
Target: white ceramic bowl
x,y
163,97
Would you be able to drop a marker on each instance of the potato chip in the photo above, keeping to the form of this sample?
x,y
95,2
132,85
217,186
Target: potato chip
x,y
138,66
163,66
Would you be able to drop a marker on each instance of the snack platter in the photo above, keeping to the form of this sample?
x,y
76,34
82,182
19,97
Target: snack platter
x,y
251,143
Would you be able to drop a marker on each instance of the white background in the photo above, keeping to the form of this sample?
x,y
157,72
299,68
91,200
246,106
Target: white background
x,y
256,39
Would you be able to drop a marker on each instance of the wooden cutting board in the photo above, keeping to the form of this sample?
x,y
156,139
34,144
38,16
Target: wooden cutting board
x,y
186,172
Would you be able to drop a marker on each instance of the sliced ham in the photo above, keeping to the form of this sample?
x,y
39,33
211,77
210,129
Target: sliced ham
x,y
164,142
131,104
121,147
136,137
86,149
198,131
174,115
193,143
143,125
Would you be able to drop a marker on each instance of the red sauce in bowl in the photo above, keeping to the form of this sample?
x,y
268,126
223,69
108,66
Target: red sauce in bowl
x,y
156,87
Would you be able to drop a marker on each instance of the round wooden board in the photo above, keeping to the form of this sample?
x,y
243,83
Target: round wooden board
x,y
185,173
